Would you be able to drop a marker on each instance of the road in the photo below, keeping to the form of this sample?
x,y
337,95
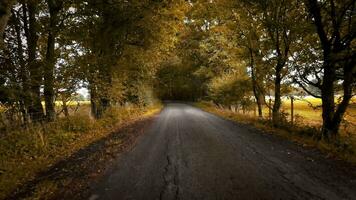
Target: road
x,y
190,154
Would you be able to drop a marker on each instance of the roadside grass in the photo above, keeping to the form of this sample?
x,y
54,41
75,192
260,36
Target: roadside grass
x,y
302,131
25,152
309,110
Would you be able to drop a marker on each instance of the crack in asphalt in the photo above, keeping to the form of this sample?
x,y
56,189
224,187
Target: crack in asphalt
x,y
191,154
171,188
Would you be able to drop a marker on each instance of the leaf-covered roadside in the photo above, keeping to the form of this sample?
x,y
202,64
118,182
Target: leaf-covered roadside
x,y
301,134
36,165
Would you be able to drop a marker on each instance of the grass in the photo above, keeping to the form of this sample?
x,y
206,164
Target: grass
x,y
24,152
301,132
309,109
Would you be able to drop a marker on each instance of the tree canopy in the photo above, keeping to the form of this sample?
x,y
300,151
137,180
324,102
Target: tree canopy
x,y
229,52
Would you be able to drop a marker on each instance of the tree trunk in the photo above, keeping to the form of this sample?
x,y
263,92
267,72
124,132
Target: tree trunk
x,y
93,100
256,91
328,102
277,95
24,98
49,79
49,94
35,107
332,117
103,93
5,13
333,45
259,102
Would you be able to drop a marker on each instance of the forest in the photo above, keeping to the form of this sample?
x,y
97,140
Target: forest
x,y
128,56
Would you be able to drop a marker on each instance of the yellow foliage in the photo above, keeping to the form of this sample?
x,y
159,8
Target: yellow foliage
x,y
25,152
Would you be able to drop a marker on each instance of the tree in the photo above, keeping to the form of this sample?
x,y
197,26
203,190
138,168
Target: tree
x,y
250,32
24,76
334,23
21,53
35,69
54,8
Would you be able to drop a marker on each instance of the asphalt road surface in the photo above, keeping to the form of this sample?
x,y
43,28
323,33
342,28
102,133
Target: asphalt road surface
x,y
190,154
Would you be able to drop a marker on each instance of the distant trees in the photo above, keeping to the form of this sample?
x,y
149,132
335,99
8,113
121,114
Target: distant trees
x,y
176,81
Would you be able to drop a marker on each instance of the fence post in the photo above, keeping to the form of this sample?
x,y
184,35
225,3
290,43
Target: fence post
x,y
292,110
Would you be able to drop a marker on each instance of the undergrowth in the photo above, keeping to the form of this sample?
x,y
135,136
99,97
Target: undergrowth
x,y
300,132
26,151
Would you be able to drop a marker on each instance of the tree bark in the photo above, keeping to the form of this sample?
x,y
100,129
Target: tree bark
x,y
349,70
277,94
104,100
93,100
332,115
256,90
49,79
49,94
35,107
328,102
24,98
